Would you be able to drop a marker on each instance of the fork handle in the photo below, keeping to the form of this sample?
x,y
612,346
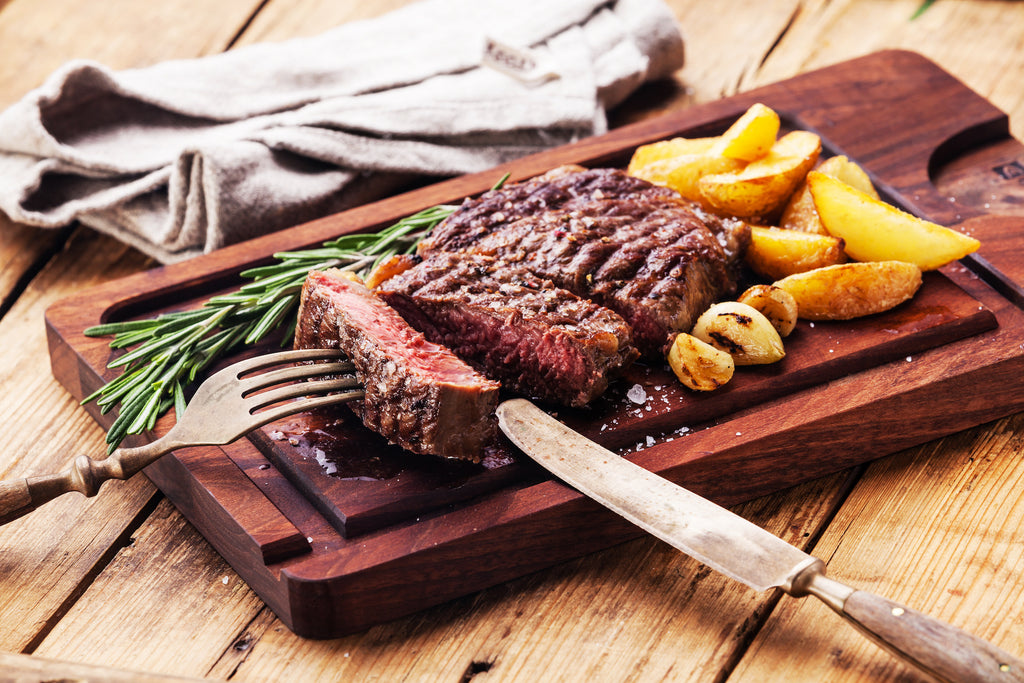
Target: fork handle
x,y
18,497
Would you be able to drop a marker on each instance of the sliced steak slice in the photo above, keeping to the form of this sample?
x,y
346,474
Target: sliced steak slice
x,y
538,339
418,395
627,244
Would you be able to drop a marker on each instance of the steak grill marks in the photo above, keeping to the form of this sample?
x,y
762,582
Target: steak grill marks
x,y
537,339
634,247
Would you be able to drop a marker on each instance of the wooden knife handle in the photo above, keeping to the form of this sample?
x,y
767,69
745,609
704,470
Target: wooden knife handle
x,y
937,648
942,650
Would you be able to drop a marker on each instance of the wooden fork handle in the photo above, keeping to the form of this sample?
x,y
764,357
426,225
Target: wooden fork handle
x,y
18,497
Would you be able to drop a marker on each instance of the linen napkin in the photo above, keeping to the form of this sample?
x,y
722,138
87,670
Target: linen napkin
x,y
186,156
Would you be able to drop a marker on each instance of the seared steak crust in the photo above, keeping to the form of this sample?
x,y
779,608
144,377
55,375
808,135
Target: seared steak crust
x,y
538,339
418,394
637,248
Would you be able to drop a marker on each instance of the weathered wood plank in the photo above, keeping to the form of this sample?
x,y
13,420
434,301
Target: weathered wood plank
x,y
977,42
48,554
165,603
641,611
936,528
26,669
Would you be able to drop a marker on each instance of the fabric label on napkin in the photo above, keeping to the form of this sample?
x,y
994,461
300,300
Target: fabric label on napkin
x,y
517,62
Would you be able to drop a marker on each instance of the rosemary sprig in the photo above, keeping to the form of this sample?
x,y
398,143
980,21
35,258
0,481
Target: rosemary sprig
x,y
169,352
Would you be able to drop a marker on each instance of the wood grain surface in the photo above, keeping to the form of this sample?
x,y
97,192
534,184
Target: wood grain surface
x,y
123,582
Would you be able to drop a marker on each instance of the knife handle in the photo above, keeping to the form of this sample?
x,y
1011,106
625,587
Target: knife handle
x,y
937,648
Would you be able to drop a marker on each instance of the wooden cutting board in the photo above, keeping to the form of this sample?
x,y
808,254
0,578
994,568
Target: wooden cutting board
x,y
386,533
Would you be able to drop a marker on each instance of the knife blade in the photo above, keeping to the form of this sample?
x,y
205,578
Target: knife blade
x,y
744,551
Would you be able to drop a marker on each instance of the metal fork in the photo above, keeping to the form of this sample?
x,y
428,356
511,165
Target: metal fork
x,y
227,405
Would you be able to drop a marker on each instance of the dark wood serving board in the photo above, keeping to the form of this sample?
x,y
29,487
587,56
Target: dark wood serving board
x,y
387,533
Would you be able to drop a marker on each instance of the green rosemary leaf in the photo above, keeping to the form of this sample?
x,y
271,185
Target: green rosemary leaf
x,y
272,317
107,329
170,351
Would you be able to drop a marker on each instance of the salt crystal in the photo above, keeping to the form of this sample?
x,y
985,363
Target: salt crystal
x,y
650,440
330,467
910,358
636,394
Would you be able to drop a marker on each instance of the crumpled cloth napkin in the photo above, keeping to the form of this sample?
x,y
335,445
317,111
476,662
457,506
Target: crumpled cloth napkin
x,y
187,156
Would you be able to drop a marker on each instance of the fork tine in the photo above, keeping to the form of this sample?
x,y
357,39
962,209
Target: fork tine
x,y
272,396
291,374
282,357
285,409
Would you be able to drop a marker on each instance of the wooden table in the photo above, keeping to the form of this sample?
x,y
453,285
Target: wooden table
x,y
108,587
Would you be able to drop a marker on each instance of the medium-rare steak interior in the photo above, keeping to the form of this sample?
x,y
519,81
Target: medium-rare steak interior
x,y
622,242
537,339
551,286
419,395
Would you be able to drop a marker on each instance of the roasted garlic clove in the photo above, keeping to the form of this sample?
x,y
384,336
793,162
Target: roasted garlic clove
x,y
741,331
699,365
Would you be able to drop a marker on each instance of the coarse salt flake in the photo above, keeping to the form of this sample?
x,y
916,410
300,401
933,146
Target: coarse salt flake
x,y
636,394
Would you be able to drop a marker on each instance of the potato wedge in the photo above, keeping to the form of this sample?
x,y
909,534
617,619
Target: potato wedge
x,y
683,173
800,213
751,136
699,365
876,231
667,149
777,305
774,253
852,290
741,331
763,186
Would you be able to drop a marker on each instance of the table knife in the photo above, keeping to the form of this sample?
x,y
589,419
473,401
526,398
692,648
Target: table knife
x,y
744,551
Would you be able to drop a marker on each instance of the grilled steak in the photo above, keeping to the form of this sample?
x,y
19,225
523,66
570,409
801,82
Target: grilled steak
x,y
418,394
538,339
637,248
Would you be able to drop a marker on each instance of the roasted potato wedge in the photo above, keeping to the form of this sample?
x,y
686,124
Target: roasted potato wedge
x,y
852,290
662,150
777,305
699,365
763,186
750,137
774,253
800,213
741,331
876,231
683,173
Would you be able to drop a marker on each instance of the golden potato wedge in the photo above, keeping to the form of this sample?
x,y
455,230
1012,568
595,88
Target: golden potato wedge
x,y
800,213
751,136
852,290
655,152
777,305
699,365
876,231
774,253
741,331
683,173
763,186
